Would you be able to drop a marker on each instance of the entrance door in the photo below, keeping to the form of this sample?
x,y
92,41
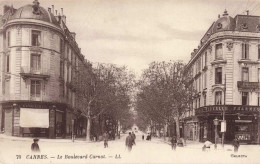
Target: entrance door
x,y
8,121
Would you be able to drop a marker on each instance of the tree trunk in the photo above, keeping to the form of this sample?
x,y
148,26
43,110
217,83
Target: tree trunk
x,y
88,126
177,127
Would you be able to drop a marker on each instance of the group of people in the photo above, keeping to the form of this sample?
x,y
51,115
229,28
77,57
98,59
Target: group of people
x,y
130,141
207,144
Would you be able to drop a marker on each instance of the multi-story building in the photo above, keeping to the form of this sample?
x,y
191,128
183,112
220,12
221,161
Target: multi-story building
x,y
39,61
225,71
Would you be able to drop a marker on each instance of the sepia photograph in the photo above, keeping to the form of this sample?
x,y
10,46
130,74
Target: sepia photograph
x,y
129,81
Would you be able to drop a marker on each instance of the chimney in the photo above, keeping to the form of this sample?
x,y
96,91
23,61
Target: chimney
x,y
49,9
63,17
52,9
73,34
247,12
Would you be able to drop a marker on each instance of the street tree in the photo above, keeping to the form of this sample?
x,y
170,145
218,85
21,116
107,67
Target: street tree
x,y
101,89
163,93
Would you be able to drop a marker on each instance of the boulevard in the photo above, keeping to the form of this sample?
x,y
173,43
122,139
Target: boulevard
x,y
155,151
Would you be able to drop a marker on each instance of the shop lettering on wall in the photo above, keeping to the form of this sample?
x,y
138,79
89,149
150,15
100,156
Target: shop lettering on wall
x,y
33,106
228,108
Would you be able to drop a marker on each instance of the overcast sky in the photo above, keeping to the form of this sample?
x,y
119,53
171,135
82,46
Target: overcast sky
x,y
137,32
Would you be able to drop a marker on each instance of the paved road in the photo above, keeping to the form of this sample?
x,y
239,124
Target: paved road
x,y
155,151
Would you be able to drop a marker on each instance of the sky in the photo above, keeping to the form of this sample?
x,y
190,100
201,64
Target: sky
x,y
137,32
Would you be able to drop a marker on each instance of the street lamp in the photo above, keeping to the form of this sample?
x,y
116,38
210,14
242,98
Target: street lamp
x,y
216,130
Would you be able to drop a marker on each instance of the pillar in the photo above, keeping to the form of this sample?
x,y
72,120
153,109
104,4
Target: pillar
x,y
258,129
52,124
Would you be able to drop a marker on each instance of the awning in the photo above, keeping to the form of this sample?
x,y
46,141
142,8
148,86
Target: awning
x,y
34,118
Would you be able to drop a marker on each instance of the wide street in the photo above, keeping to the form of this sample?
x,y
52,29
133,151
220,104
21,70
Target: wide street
x,y
155,151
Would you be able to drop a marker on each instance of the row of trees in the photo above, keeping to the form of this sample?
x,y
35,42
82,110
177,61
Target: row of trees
x,y
163,95
104,89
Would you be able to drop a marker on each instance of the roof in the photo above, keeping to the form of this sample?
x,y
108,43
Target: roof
x,y
27,12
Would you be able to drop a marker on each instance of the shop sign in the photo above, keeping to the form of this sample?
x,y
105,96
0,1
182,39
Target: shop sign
x,y
248,85
223,126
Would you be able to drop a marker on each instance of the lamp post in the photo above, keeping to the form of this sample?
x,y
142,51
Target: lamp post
x,y
216,130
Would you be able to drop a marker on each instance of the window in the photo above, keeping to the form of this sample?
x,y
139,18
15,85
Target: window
x,y
218,75
219,53
245,51
218,98
35,89
61,69
258,74
259,52
36,38
205,80
61,45
258,100
206,58
7,63
8,39
36,62
245,75
244,98
205,99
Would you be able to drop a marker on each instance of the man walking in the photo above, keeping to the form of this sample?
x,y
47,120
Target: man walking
x,y
173,142
105,139
129,142
133,137
236,144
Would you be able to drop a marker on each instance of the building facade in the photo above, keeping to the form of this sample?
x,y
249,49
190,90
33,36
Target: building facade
x,y
39,61
225,71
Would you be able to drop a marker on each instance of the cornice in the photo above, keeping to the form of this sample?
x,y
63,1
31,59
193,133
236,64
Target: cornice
x,y
224,35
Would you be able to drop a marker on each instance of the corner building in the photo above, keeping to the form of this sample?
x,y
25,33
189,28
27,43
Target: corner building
x,y
39,59
225,71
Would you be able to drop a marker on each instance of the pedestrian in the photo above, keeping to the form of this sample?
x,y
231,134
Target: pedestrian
x,y
129,142
105,139
142,137
236,144
133,137
35,146
206,145
173,142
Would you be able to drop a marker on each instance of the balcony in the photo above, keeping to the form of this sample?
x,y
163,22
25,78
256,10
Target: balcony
x,y
28,72
245,85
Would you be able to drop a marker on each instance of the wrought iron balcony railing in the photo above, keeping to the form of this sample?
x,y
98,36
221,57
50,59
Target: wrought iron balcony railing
x,y
28,72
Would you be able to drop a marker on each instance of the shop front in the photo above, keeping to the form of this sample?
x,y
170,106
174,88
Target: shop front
x,y
33,119
241,122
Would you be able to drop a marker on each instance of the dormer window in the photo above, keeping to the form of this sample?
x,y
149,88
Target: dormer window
x,y
36,37
244,26
219,26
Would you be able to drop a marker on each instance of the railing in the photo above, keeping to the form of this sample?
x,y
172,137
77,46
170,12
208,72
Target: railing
x,y
248,85
29,70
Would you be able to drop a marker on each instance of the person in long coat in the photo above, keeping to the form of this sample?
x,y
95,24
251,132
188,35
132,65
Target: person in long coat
x,y
133,137
129,142
173,142
236,144
35,146
105,139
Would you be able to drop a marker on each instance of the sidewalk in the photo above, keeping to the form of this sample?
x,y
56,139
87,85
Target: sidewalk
x,y
198,145
61,140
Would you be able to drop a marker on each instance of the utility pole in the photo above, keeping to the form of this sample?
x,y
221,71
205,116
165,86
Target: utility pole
x,y
224,121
